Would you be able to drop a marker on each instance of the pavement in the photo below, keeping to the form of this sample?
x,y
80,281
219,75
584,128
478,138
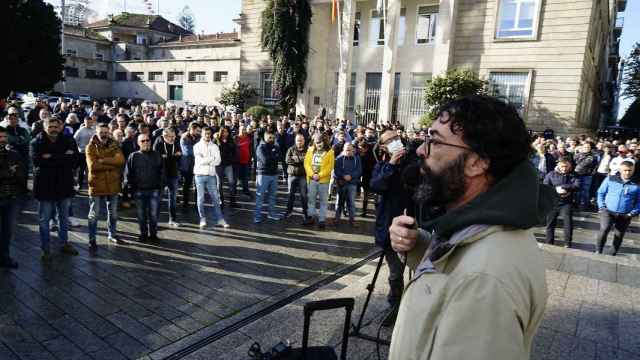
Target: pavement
x,y
150,301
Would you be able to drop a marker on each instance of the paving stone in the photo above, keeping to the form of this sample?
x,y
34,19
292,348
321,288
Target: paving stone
x,y
127,345
139,331
62,348
78,334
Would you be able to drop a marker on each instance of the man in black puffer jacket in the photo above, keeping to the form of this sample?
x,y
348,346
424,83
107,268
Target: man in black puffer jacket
x,y
586,165
268,155
297,180
13,180
144,177
55,156
566,184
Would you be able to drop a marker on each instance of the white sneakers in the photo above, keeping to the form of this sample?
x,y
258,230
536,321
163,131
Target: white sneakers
x,y
174,224
203,223
223,224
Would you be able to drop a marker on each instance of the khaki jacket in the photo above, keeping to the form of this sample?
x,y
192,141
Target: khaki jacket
x,y
104,178
484,301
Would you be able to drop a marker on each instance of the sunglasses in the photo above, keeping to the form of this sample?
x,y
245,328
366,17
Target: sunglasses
x,y
144,141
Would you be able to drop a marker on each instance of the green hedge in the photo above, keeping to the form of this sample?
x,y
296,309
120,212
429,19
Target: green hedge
x,y
258,111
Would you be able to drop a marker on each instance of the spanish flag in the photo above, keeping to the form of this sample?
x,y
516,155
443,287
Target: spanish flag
x,y
335,8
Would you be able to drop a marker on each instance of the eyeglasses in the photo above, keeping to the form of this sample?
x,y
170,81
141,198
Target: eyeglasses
x,y
144,141
430,140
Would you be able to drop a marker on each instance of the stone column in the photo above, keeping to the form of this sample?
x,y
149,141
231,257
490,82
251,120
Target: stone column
x,y
348,16
388,62
445,37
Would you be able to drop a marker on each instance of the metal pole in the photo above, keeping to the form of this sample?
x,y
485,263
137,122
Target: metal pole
x,y
62,13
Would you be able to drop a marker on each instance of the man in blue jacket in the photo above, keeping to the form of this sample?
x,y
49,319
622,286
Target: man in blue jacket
x,y
268,156
618,202
347,173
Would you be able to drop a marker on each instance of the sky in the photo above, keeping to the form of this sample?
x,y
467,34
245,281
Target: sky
x,y
630,35
211,15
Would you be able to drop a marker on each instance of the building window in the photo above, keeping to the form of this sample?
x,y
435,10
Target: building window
x,y
155,76
137,76
95,74
426,24
376,29
71,52
220,76
352,93
70,71
517,19
511,86
176,76
268,92
419,80
197,76
402,27
141,39
356,30
99,56
121,76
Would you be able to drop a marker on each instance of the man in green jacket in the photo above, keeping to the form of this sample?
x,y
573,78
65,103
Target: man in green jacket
x,y
478,290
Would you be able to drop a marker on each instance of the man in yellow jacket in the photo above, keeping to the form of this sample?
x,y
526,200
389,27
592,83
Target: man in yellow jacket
x,y
318,165
105,163
478,289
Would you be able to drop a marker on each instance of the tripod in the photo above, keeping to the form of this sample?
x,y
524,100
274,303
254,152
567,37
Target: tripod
x,y
370,287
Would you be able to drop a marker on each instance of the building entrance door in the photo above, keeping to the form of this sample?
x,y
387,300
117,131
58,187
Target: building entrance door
x,y
175,92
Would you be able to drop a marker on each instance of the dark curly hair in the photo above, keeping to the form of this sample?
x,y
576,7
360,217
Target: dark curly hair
x,y
493,129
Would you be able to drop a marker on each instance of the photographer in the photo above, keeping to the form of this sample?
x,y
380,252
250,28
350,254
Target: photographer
x,y
387,182
478,291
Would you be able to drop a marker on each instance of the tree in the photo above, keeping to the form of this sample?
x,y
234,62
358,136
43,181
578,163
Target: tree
x,y
187,19
632,74
285,35
631,118
450,86
237,95
32,47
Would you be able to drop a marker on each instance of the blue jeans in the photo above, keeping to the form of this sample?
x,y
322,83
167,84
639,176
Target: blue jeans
x,y
8,214
172,186
297,184
95,204
585,188
243,174
267,185
321,191
46,210
209,184
147,203
346,194
226,172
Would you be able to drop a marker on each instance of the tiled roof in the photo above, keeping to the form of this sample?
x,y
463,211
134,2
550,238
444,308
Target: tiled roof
x,y
208,38
142,21
83,32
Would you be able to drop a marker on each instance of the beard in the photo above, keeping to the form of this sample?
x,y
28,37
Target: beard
x,y
444,187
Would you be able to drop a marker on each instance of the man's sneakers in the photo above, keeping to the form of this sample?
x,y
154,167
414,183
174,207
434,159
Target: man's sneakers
x,y
274,217
69,250
53,225
308,221
116,240
223,224
203,223
8,263
353,224
154,238
173,224
322,225
143,239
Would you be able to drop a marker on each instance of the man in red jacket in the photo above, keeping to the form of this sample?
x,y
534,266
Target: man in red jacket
x,y
243,169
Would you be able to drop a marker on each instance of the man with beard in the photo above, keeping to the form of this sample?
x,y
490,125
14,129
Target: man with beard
x,y
478,291
387,182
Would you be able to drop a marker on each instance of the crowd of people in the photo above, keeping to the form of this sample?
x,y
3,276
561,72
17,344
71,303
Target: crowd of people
x,y
590,174
127,155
